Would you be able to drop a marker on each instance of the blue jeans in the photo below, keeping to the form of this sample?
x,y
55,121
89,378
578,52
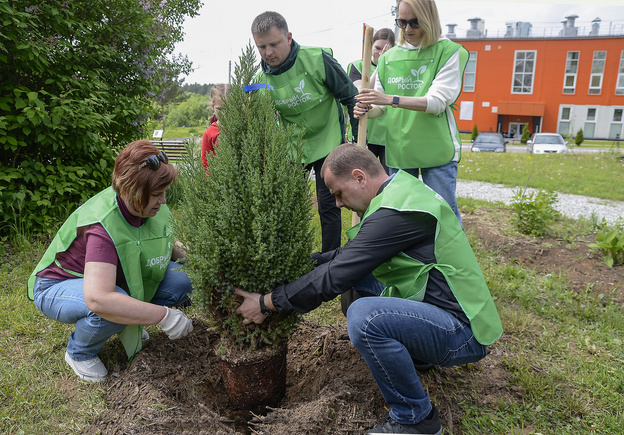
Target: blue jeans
x,y
390,333
441,179
63,300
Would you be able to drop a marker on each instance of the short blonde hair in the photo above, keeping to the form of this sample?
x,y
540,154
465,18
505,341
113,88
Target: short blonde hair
x,y
219,90
428,18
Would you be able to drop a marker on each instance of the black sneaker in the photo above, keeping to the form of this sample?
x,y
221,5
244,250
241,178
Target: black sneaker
x,y
430,425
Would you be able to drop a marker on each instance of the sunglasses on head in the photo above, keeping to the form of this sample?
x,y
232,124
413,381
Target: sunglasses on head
x,y
153,161
413,23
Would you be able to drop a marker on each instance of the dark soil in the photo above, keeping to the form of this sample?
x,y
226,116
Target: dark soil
x,y
177,386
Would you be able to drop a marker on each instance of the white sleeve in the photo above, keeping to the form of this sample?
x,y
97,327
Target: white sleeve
x,y
446,86
379,88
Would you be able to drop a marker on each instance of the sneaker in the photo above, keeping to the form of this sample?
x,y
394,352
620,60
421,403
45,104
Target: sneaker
x,y
92,370
430,425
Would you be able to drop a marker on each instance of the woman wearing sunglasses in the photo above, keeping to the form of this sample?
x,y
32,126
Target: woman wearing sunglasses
x,y
416,84
111,266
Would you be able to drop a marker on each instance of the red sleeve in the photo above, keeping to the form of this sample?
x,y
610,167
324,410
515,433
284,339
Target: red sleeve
x,y
213,137
204,149
99,246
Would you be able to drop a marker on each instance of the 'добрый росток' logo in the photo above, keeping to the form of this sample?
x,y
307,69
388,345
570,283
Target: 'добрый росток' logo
x,y
299,98
410,82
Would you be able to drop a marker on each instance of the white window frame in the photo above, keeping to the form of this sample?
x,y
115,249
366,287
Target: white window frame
x,y
523,77
571,71
589,128
597,72
470,74
616,123
563,124
619,84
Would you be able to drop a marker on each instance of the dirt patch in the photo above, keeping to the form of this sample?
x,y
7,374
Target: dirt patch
x,y
581,268
177,386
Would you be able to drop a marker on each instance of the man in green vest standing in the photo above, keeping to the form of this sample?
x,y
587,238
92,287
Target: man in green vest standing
x,y
423,298
309,88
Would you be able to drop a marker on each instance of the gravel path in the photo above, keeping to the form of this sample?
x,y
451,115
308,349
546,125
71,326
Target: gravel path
x,y
573,206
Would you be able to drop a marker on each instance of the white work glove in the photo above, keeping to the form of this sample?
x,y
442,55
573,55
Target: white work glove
x,y
175,324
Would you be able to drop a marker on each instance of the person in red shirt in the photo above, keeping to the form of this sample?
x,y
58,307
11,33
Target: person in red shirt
x,y
210,140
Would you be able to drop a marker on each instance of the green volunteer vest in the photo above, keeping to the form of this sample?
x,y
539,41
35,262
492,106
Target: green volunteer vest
x,y
406,277
144,252
375,127
303,100
417,139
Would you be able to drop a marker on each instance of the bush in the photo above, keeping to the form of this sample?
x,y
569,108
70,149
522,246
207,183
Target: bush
x,y
534,212
526,134
578,140
246,220
194,111
78,82
475,133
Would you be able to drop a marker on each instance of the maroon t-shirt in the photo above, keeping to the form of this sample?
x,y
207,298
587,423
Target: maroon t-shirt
x,y
92,243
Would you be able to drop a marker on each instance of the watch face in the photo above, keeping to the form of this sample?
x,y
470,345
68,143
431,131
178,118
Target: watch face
x,y
395,101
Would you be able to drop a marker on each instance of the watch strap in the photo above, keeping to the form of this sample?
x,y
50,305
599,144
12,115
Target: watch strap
x,y
263,308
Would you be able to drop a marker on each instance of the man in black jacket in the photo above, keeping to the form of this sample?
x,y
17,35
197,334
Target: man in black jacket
x,y
309,88
436,307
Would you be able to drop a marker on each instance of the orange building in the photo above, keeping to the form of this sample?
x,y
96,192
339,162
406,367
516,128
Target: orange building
x,y
554,84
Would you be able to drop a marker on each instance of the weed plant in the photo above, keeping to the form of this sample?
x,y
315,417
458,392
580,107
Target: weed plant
x,y
610,242
534,211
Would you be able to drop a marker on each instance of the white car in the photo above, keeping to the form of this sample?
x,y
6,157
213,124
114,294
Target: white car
x,y
547,143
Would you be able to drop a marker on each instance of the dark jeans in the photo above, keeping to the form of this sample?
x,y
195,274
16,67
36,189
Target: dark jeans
x,y
331,223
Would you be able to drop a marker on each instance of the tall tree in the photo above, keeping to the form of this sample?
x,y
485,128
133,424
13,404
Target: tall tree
x,y
77,80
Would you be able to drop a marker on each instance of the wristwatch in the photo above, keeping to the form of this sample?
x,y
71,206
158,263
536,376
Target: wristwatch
x,y
263,308
395,101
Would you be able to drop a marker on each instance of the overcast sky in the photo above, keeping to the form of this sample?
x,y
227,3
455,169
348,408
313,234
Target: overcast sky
x,y
218,35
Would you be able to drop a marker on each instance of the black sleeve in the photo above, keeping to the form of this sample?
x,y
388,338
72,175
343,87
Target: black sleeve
x,y
383,235
354,73
339,84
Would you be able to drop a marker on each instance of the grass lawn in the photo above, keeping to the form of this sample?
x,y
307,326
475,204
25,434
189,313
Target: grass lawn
x,y
593,175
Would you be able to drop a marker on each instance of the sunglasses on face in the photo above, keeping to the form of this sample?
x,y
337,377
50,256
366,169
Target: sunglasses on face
x,y
153,161
413,23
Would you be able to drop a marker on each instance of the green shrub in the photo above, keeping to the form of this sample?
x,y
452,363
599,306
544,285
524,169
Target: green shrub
x,y
77,83
475,132
578,140
526,134
246,221
534,212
